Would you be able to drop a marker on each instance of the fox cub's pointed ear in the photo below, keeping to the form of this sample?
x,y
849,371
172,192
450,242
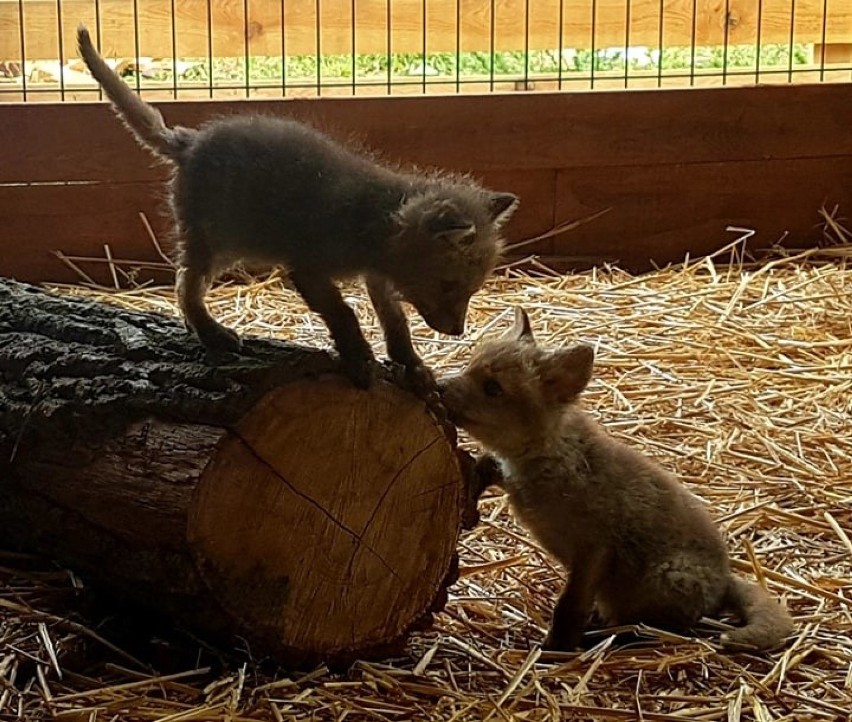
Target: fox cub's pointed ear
x,y
566,373
521,329
501,206
445,222
461,236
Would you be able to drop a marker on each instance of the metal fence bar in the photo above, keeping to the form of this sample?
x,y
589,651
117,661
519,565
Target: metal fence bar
x,y
526,45
627,43
319,47
692,45
458,45
62,50
137,74
247,42
423,62
757,40
210,46
22,29
354,51
594,58
493,20
660,42
792,37
174,51
822,44
560,57
390,43
283,52
725,42
98,36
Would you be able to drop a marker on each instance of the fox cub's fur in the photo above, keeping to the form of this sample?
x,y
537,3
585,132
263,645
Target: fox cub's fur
x,y
636,542
273,191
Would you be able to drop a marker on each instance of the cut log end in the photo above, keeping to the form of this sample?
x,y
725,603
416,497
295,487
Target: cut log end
x,y
327,519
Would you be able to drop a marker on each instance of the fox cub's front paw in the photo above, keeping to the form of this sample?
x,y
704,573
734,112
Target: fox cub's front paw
x,y
361,370
422,382
561,642
217,339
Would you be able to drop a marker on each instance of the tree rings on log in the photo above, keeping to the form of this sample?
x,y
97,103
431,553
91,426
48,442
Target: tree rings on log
x,y
315,521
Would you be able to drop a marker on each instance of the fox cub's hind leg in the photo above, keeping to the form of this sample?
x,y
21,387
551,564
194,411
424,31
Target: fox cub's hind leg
x,y
323,297
574,607
191,285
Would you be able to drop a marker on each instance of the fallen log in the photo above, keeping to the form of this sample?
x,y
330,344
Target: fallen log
x,y
262,497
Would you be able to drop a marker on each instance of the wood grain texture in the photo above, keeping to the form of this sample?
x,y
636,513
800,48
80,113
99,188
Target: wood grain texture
x,y
354,483
659,214
259,30
833,53
79,219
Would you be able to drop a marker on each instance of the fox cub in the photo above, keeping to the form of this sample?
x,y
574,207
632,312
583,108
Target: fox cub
x,y
637,543
273,191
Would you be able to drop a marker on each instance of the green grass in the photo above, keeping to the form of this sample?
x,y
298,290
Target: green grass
x,y
400,67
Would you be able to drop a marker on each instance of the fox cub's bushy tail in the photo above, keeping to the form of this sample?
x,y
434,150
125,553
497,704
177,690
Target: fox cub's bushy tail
x,y
143,120
766,621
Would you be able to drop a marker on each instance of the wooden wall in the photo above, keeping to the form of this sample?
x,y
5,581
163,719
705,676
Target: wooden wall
x,y
674,167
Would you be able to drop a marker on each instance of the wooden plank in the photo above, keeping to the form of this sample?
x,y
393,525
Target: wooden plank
x,y
261,29
833,54
78,219
84,142
661,213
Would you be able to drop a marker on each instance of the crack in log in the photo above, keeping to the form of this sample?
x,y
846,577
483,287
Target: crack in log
x,y
393,481
334,520
436,488
381,501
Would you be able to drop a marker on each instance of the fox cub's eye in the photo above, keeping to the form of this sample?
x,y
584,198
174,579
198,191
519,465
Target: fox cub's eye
x,y
492,388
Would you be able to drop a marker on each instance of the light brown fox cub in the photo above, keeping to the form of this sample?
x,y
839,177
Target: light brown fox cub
x,y
636,542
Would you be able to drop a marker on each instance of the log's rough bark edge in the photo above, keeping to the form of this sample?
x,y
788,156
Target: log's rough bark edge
x,y
74,370
152,363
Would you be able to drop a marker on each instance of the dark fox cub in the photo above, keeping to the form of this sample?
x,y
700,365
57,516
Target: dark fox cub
x,y
272,191
636,542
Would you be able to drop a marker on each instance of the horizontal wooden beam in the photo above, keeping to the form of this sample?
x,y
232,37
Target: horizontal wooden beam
x,y
78,220
85,142
666,212
645,215
225,29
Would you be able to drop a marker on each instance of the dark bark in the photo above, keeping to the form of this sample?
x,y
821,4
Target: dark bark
x,y
71,367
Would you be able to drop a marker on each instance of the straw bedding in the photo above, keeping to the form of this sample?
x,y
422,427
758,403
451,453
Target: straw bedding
x,y
737,376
